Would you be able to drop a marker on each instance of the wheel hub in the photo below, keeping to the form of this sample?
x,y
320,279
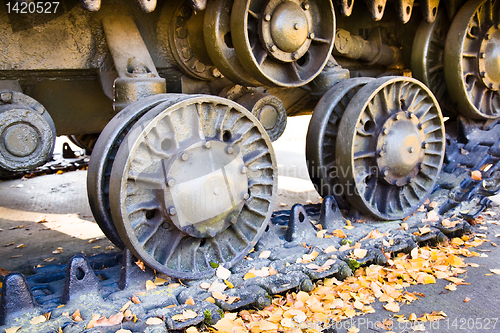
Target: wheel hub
x,y
20,140
268,117
489,58
207,186
400,148
285,29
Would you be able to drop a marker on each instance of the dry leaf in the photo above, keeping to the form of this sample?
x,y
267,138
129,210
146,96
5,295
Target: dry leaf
x,y
393,307
189,301
223,273
265,254
495,270
141,265
159,281
359,253
466,300
95,318
192,329
20,246
58,250
76,316
189,314
38,319
135,299
49,259
121,330
126,306
154,321
12,329
204,285
249,276
111,321
338,233
150,285
476,175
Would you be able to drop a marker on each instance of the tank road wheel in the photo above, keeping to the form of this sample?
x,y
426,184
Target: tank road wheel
x,y
322,136
194,182
217,32
472,59
283,43
390,147
101,162
427,59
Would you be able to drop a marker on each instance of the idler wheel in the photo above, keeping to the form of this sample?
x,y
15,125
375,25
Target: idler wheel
x,y
472,59
27,132
283,43
193,182
390,147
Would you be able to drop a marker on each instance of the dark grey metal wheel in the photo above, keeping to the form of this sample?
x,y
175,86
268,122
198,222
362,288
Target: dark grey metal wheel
x,y
472,65
101,162
193,182
390,147
283,43
427,59
322,137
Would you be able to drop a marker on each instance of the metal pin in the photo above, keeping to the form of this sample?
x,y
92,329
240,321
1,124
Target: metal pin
x,y
184,157
273,48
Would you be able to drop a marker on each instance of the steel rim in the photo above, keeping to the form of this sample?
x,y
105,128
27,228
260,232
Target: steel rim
x,y
322,136
101,163
391,147
472,65
156,222
265,47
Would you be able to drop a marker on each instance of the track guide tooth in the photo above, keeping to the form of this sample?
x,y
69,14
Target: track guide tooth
x,y
345,6
404,9
429,9
376,8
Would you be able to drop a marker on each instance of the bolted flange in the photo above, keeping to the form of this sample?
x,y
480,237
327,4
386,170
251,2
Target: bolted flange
x,y
489,58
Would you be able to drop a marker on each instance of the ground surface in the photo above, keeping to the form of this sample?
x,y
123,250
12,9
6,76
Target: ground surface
x,y
42,214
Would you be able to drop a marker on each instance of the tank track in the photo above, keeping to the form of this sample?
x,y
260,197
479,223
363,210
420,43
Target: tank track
x,y
104,283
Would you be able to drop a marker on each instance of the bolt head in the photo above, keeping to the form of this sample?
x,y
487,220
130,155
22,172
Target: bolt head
x,y
490,85
245,195
409,114
419,126
172,211
384,172
311,35
385,131
267,17
170,182
380,153
482,55
207,145
273,48
212,233
295,56
184,157
296,26
396,116
483,74
424,145
305,6
233,220
410,150
229,150
487,36
244,169
6,97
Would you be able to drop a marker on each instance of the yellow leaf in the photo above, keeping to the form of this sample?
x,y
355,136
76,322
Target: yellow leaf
x,y
125,307
359,253
451,287
495,270
404,225
12,329
429,279
159,281
210,299
154,321
150,285
349,227
249,276
302,296
329,249
338,233
321,233
229,284
76,316
189,314
267,326
466,300
219,295
95,318
392,306
38,320
189,301
412,317
350,313
353,329
425,230
265,254
192,329
224,325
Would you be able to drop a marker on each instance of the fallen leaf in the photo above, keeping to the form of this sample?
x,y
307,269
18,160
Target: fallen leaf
x,y
189,301
141,265
265,254
359,253
122,330
135,299
150,285
95,318
249,276
126,306
12,329
192,329
38,319
20,246
223,273
495,270
338,233
476,175
189,314
58,250
466,300
154,321
76,316
111,321
159,281
9,244
391,306
204,285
